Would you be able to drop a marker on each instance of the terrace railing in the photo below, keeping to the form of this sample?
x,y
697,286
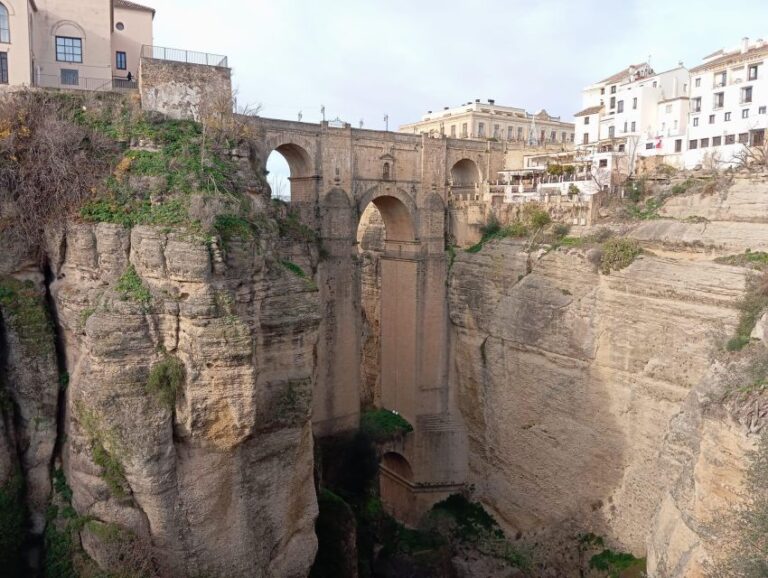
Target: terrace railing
x,y
186,56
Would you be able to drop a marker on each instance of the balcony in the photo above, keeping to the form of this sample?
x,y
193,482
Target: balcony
x,y
77,82
183,56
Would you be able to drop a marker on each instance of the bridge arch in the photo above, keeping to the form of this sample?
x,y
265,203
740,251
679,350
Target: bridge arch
x,y
465,172
397,210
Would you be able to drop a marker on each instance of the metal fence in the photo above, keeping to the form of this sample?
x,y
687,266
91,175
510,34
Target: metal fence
x,y
186,56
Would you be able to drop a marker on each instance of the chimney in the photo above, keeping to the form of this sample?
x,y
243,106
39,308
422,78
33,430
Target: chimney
x,y
744,44
429,112
491,101
445,108
477,100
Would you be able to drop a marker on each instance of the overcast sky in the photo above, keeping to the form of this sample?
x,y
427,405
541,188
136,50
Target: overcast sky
x,y
366,58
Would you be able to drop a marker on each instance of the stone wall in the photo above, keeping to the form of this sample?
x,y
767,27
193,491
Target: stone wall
x,y
184,91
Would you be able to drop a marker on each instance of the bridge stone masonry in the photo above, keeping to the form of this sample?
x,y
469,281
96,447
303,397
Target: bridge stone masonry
x,y
336,173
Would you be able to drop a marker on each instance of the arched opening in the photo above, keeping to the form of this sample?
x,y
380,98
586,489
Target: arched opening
x,y
395,477
396,216
465,173
5,25
288,168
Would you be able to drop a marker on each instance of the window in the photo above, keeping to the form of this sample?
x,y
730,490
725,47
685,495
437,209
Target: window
x,y
464,130
758,138
69,49
496,130
655,84
453,130
603,163
3,68
679,145
704,143
5,28
620,107
634,103
634,126
720,79
621,148
648,146
586,120
730,139
692,144
553,136
711,119
510,132
675,125
668,108
611,131
120,26
613,102
602,90
727,116
70,77
717,141
613,89
697,82
625,126
744,138
573,136
121,61
585,139
745,113
746,95
564,136
696,104
761,110
752,74
480,129
696,121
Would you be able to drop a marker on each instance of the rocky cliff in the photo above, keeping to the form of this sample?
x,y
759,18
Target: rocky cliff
x,y
158,359
595,402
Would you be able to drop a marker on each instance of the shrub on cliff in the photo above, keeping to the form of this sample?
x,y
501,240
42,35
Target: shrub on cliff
x,y
751,307
383,425
618,253
165,379
12,522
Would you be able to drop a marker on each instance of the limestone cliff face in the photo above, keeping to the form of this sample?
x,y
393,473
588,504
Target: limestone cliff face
x,y
573,382
215,480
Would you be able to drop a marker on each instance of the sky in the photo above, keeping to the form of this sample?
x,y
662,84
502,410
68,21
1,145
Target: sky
x,y
363,59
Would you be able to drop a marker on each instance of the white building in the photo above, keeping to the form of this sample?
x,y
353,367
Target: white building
x,y
631,114
729,96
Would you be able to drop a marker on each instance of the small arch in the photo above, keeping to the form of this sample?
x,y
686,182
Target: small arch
x,y
286,163
5,25
68,28
465,173
398,465
386,172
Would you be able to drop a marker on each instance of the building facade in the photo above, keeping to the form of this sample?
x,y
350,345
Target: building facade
x,y
632,114
478,120
729,100
86,44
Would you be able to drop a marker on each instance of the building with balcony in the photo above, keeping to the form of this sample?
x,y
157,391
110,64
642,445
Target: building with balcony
x,y
80,44
729,100
632,114
488,120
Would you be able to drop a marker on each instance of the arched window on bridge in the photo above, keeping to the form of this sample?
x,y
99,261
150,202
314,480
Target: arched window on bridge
x,y
386,175
288,169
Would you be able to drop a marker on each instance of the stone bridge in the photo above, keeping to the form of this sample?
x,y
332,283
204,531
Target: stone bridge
x,y
336,172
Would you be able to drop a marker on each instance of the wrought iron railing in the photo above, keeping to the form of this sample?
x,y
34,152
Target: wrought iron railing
x,y
186,56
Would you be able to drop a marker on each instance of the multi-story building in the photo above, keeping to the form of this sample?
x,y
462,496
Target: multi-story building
x,y
729,100
631,114
476,120
72,43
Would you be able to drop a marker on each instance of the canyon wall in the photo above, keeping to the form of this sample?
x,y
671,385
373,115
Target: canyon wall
x,y
593,401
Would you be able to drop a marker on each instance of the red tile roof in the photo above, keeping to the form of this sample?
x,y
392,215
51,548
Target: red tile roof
x,y
732,57
590,110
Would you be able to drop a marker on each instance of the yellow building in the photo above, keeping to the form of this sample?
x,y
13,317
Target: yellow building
x,y
85,44
480,120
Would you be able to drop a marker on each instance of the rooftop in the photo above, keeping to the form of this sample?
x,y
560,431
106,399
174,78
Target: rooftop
x,y
132,6
723,58
590,110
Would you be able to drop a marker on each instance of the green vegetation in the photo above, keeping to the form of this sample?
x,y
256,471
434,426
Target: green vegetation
x,y
752,259
494,230
129,212
751,307
165,379
648,211
61,522
335,527
230,226
13,518
131,288
290,227
471,518
25,312
617,564
619,253
299,272
383,425
112,471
